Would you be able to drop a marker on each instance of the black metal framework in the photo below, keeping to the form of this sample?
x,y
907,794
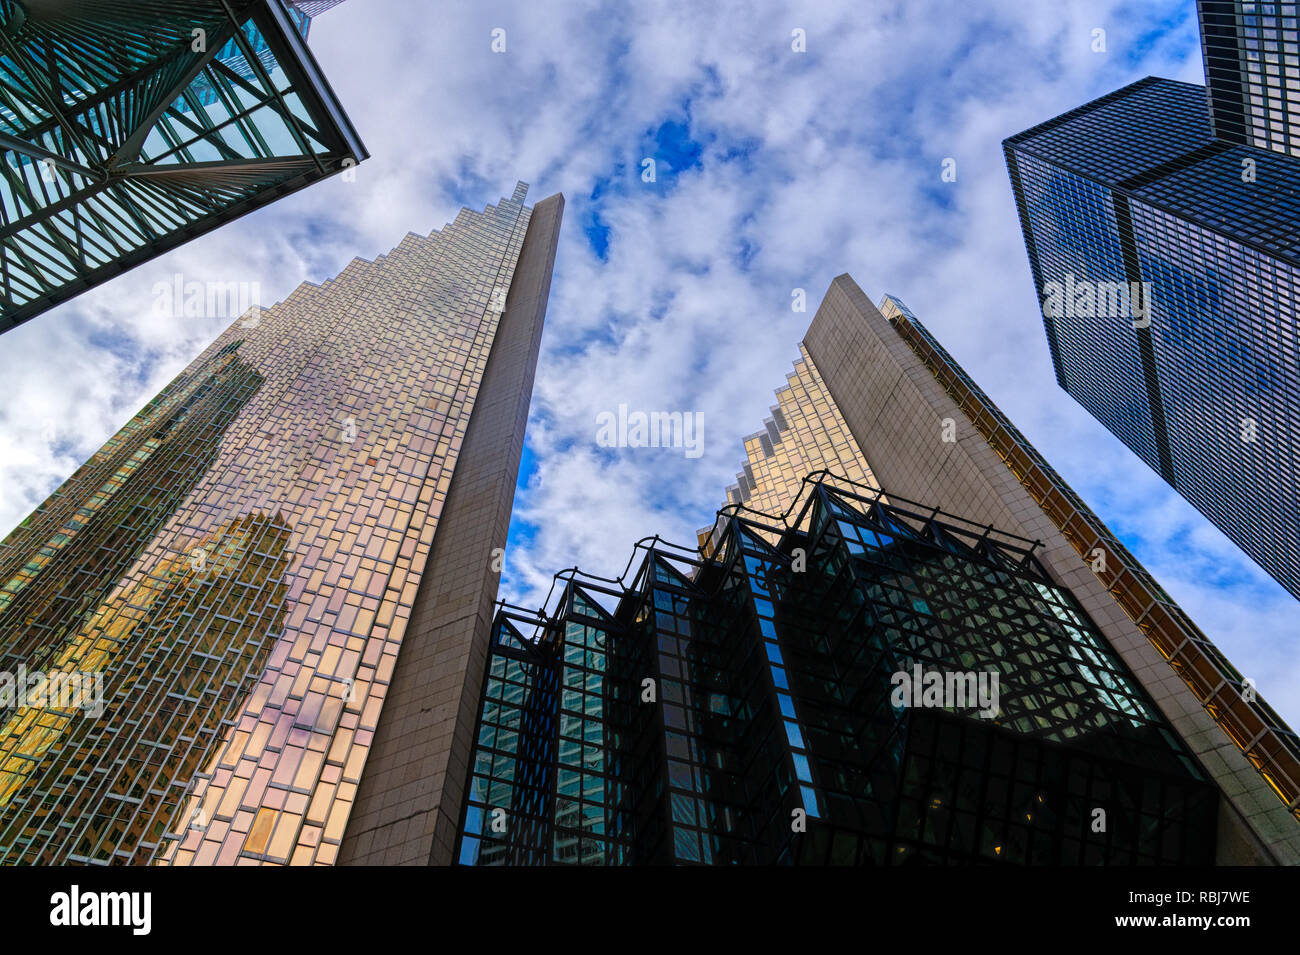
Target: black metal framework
x,y
129,127
314,8
1251,57
738,707
1133,191
1270,745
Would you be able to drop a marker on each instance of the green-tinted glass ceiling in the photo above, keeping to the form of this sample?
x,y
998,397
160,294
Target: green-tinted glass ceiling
x,y
128,127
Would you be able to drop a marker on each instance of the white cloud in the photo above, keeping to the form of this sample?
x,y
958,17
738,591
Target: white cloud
x,y
823,162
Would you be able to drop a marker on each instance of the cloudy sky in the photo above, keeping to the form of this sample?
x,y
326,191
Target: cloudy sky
x,y
775,170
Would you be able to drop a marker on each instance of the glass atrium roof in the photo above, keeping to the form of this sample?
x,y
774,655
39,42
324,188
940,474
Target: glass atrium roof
x,y
129,127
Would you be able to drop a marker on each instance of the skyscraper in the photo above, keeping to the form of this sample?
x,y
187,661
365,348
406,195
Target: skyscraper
x,y
805,433
1167,262
1252,70
217,638
128,129
735,703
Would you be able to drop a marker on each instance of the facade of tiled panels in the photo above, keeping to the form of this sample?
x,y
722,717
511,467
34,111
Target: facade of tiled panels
x,y
806,434
409,803
240,561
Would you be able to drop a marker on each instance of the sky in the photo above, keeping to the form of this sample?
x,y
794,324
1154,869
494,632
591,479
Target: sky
x,y
775,170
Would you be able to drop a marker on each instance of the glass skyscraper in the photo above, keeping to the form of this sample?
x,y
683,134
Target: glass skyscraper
x,y
1167,262
735,702
773,738
221,593
1252,70
805,433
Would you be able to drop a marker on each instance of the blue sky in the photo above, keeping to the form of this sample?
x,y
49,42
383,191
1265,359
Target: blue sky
x,y
775,170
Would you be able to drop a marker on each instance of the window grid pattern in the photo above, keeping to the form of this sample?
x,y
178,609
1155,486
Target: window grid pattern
x,y
805,434
1077,240
510,783
1252,68
587,791
730,778
748,641
757,570
1254,366
1207,393
240,562
1259,732
945,599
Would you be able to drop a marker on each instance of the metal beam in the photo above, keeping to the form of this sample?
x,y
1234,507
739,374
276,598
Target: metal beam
x,y
125,206
36,152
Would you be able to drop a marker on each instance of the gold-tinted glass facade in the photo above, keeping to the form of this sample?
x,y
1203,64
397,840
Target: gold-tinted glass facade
x,y
237,567
805,434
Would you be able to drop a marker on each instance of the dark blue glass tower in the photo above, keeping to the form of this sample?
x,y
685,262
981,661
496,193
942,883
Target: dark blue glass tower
x,y
1167,262
1252,65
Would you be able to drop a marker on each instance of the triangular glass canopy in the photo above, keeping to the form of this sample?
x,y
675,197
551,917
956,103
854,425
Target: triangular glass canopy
x,y
128,127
